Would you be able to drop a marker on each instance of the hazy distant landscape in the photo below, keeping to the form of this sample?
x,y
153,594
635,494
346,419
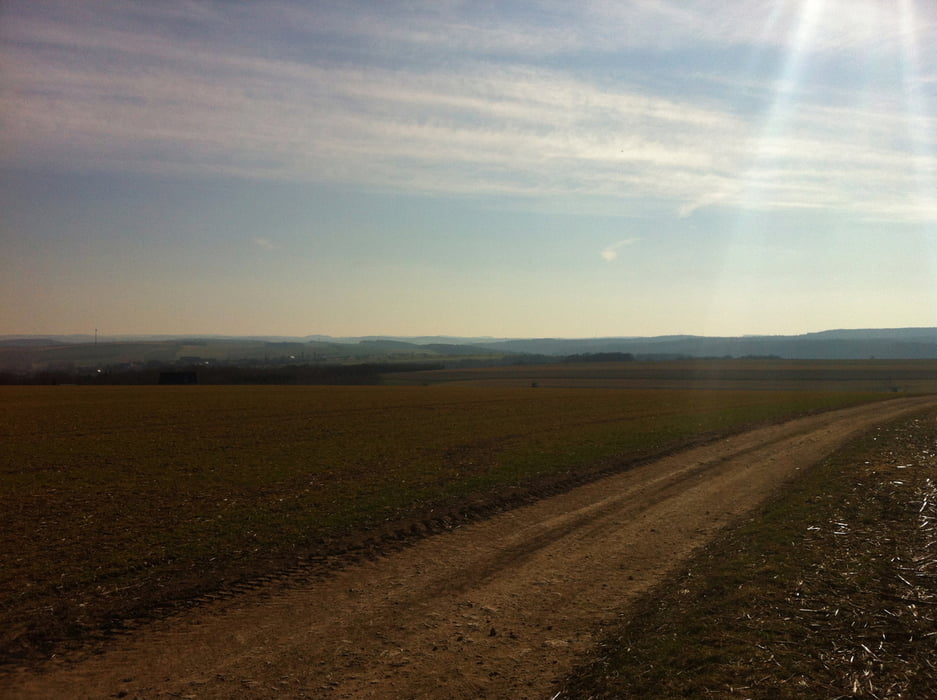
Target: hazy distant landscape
x,y
22,355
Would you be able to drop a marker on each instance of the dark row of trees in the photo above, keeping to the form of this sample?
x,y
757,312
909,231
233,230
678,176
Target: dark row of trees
x,y
600,357
369,373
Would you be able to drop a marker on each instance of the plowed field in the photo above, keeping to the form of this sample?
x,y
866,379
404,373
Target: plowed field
x,y
499,608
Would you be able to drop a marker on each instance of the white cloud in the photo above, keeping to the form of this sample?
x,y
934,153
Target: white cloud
x,y
265,243
553,28
610,252
98,90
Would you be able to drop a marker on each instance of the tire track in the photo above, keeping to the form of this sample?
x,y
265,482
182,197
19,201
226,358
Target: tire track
x,y
499,608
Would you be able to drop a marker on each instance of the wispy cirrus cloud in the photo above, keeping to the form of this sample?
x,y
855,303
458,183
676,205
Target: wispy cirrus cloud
x,y
556,28
163,89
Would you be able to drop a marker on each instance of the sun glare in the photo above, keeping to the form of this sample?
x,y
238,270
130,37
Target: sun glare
x,y
814,31
748,252
916,115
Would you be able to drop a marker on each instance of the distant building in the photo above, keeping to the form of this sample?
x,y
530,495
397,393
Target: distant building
x,y
187,377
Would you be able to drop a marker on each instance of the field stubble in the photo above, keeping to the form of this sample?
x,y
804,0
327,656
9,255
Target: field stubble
x,y
828,591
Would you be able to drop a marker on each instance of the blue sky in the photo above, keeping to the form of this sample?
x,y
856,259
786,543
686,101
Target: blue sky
x,y
467,168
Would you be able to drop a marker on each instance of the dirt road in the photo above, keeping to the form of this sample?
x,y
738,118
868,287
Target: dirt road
x,y
498,609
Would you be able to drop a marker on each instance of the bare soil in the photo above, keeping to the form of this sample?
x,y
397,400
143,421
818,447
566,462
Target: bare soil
x,y
503,608
828,590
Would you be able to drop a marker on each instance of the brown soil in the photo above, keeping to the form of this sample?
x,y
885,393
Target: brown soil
x,y
501,608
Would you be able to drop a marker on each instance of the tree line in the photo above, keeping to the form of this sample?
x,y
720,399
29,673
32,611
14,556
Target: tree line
x,y
365,373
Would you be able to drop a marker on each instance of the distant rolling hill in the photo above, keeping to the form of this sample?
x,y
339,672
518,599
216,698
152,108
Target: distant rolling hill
x,y
33,353
40,354
902,343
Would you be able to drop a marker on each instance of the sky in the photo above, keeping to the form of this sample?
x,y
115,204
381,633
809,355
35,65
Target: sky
x,y
508,169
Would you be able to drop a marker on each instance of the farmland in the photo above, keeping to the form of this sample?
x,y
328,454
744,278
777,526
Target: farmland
x,y
749,374
121,499
828,591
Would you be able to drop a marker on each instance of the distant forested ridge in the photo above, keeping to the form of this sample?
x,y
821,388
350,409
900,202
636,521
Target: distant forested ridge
x,y
895,344
29,355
